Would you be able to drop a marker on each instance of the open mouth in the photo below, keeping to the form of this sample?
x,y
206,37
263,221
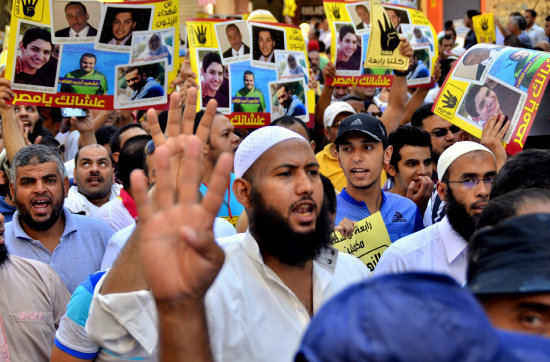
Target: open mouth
x,y
304,211
94,180
41,205
359,171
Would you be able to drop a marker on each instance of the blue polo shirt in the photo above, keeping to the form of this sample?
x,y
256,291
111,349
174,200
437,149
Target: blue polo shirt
x,y
400,214
78,254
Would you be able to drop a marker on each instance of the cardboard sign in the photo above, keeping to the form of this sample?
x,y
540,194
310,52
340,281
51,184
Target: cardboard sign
x,y
369,240
484,27
257,72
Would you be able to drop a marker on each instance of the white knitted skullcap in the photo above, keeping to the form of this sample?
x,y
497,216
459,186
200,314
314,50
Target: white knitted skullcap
x,y
257,143
455,151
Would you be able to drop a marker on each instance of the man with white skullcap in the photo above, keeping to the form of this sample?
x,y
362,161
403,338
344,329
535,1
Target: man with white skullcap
x,y
465,171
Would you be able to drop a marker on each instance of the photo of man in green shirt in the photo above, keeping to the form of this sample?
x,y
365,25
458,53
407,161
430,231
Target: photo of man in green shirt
x,y
85,80
249,98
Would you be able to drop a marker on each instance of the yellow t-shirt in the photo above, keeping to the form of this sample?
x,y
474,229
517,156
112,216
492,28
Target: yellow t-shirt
x,y
329,167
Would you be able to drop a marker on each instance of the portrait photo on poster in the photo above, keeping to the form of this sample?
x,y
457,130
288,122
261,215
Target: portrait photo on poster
x,y
140,85
85,70
397,17
288,98
153,45
360,16
291,65
517,67
234,41
419,36
118,24
75,21
36,61
348,50
481,102
476,62
249,88
214,79
419,67
265,40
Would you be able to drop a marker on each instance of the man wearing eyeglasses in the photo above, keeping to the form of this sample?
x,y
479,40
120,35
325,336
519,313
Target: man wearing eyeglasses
x,y
466,171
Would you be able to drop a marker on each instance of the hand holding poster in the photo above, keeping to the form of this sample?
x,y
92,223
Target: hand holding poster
x,y
489,80
352,27
93,54
484,27
369,240
256,72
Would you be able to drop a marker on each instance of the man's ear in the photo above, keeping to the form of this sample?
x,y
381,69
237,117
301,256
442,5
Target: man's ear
x,y
12,190
441,190
390,169
65,186
313,145
241,190
387,154
115,156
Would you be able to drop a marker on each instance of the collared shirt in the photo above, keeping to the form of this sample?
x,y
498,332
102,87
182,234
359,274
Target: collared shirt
x,y
401,215
267,59
238,52
82,33
123,42
438,249
79,204
252,315
536,33
330,167
78,254
32,301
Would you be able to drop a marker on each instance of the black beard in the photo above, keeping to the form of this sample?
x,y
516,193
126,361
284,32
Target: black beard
x,y
459,219
4,255
26,218
274,236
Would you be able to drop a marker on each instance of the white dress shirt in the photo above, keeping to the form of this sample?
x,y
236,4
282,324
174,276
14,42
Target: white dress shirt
x,y
238,52
252,315
437,248
80,34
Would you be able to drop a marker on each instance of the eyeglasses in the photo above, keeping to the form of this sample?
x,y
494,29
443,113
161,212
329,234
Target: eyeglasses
x,y
471,182
441,132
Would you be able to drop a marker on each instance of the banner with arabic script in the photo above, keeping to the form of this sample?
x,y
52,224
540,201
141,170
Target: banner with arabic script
x,y
353,24
93,54
257,72
369,240
491,79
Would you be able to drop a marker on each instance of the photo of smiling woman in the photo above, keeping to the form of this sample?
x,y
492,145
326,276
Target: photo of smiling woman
x,y
214,85
348,55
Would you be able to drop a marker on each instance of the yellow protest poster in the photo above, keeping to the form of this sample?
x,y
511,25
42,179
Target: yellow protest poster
x,y
256,72
93,54
484,27
369,240
383,49
490,80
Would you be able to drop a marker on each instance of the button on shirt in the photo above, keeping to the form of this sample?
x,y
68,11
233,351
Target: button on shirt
x,y
401,216
78,254
252,315
437,249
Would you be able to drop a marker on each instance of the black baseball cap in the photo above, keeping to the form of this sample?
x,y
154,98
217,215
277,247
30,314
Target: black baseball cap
x,y
512,257
365,123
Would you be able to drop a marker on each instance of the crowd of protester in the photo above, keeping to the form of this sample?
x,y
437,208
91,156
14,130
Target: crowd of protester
x,y
171,235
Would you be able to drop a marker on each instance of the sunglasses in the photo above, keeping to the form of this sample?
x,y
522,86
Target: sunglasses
x,y
441,132
375,114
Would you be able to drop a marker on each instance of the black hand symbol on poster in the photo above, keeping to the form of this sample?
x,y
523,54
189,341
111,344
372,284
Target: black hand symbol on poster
x,y
28,7
201,34
449,100
335,10
485,24
389,40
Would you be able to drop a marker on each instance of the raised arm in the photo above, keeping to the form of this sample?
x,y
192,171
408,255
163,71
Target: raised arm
x,y
13,138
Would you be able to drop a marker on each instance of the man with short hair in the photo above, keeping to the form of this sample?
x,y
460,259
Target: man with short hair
x,y
410,165
32,302
123,134
266,45
362,149
283,261
35,51
235,39
77,16
95,82
509,273
142,85
364,15
535,32
94,178
515,29
249,98
466,171
470,39
122,27
42,229
328,156
292,105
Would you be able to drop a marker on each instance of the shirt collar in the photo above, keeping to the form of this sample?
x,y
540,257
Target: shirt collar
x,y
83,32
453,243
351,200
70,225
240,51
